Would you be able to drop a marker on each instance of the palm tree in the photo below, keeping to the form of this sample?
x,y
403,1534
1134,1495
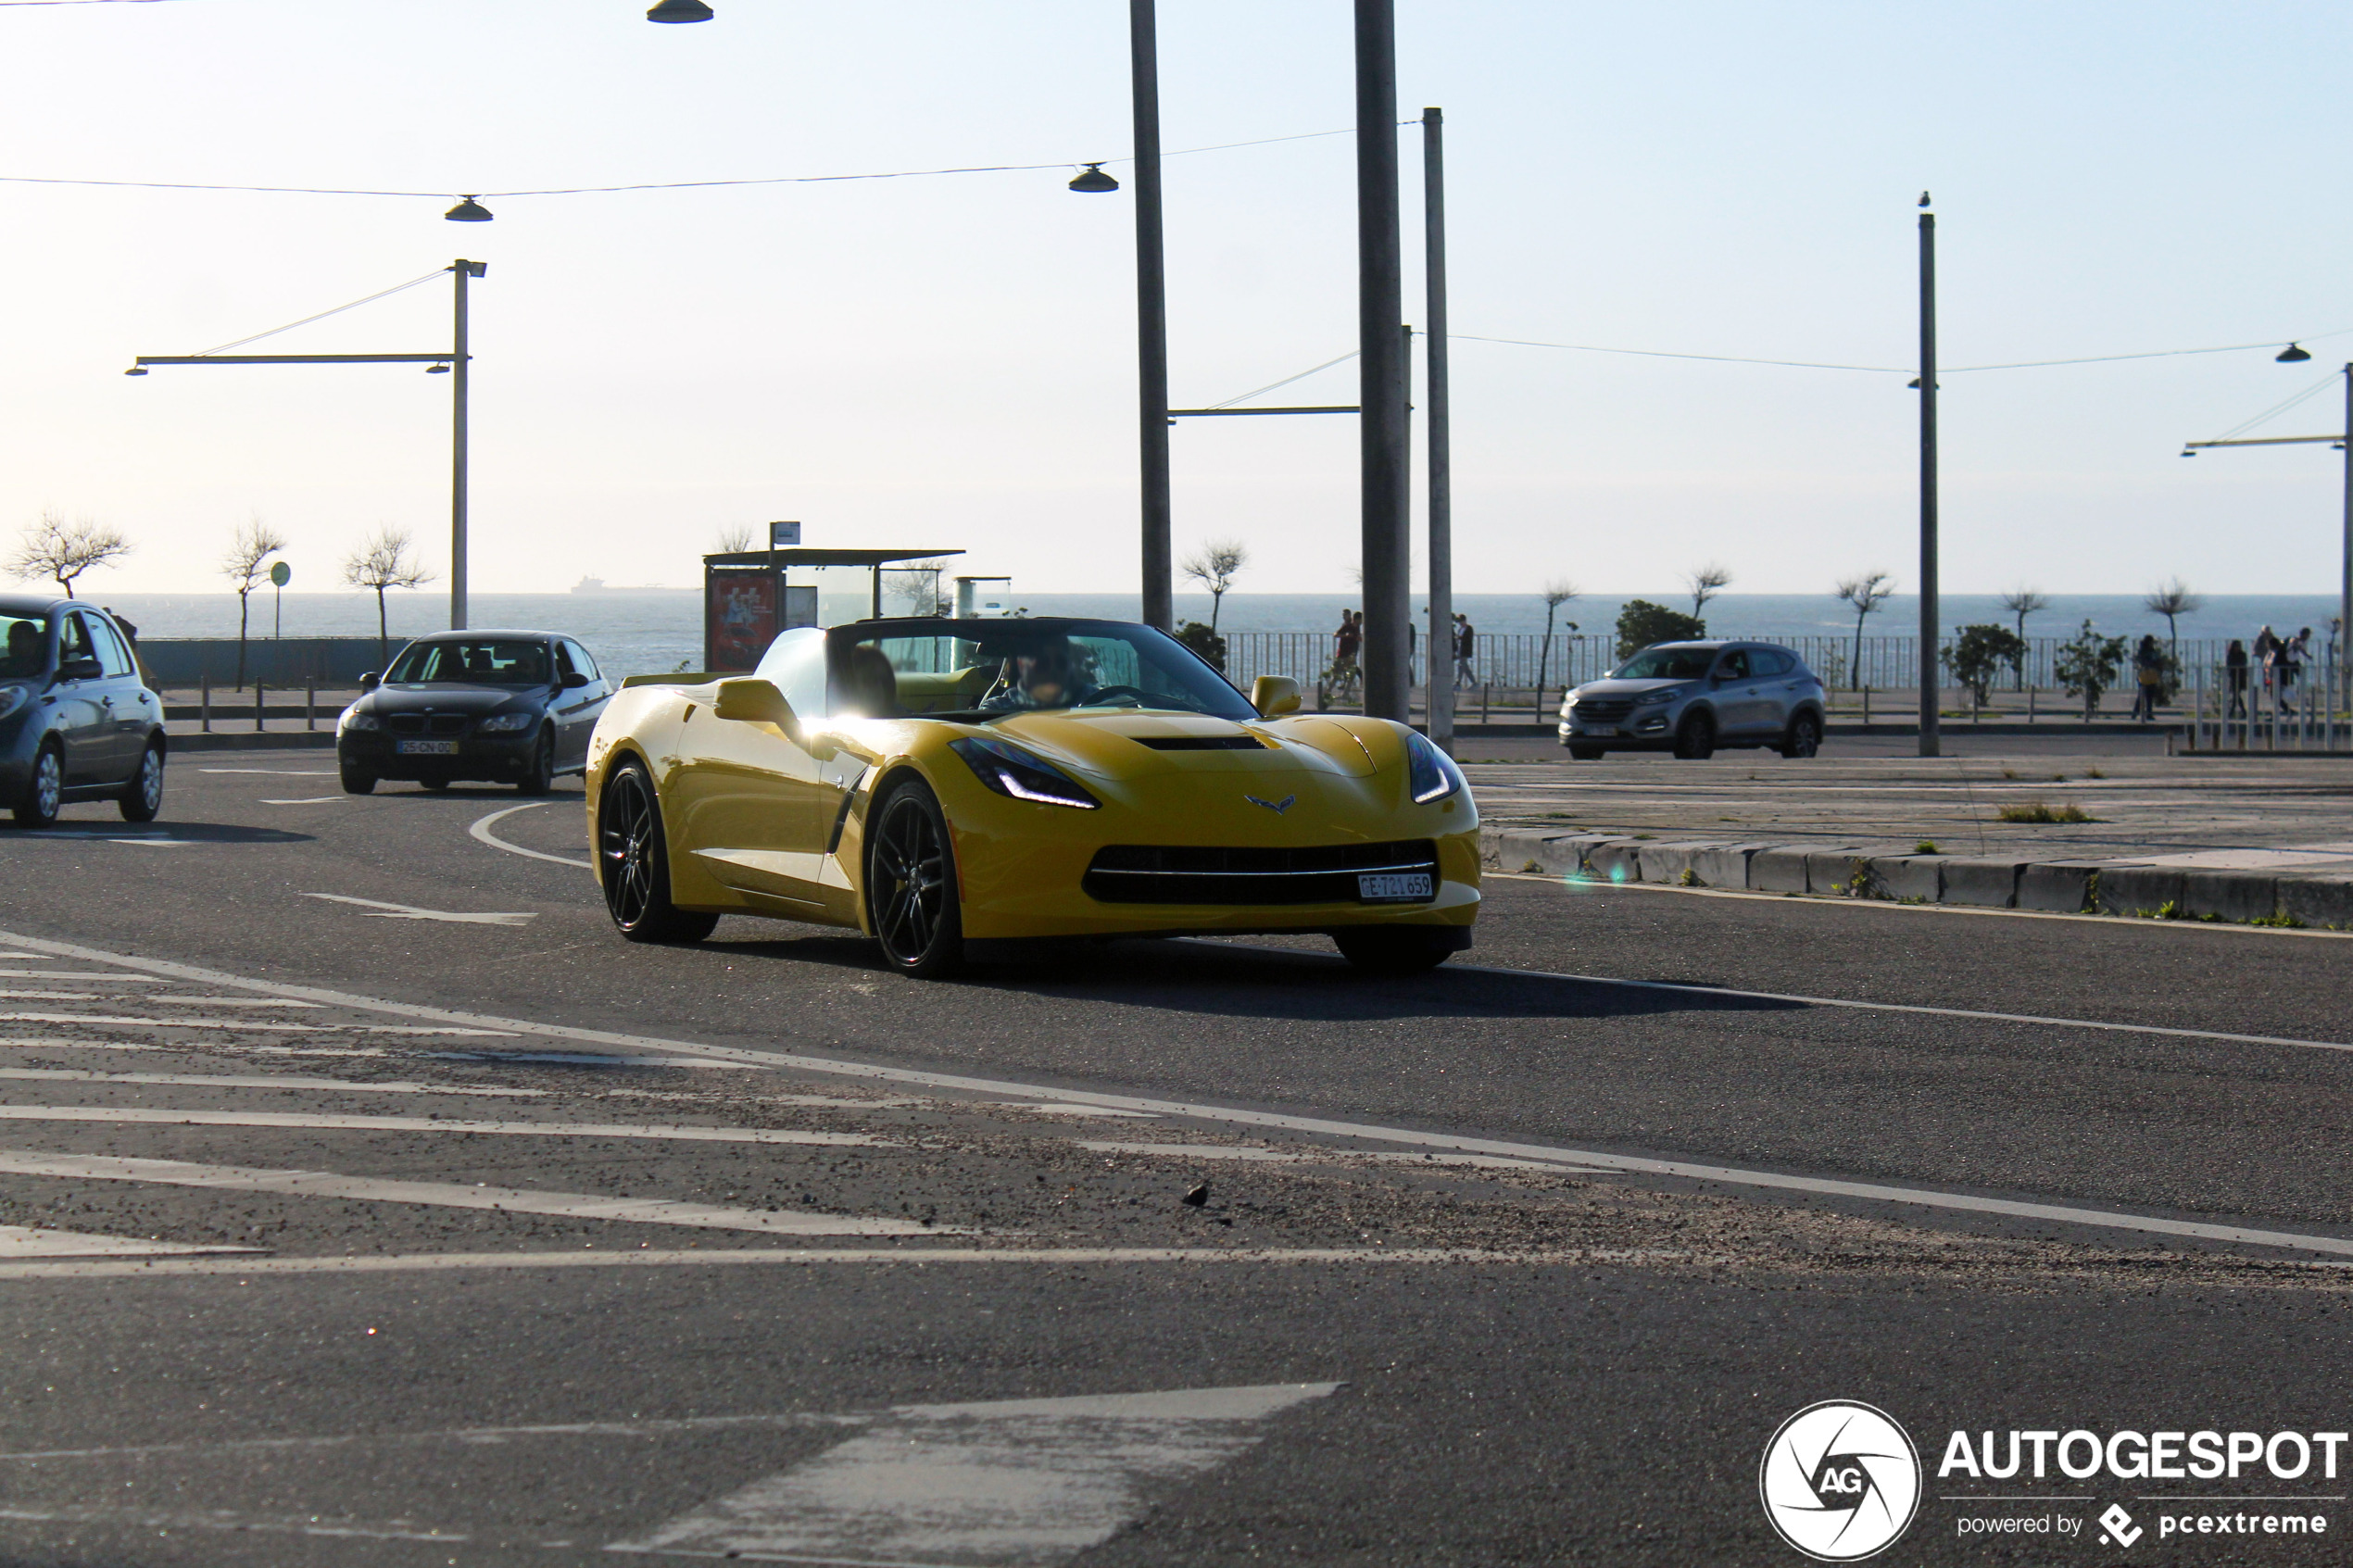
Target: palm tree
x,y
1558,592
250,548
1705,583
384,562
2021,602
1214,566
2173,600
1866,593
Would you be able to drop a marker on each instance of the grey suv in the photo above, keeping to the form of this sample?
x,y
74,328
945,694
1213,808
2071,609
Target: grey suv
x,y
1693,697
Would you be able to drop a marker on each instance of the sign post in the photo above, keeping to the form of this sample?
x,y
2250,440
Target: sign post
x,y
279,575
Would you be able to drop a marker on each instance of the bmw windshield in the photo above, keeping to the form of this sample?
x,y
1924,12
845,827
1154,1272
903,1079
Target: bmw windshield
x,y
499,662
987,669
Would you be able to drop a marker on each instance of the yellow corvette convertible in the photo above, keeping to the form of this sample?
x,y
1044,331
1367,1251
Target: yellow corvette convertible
x,y
950,787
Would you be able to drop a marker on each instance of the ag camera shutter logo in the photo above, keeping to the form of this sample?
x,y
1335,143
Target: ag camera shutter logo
x,y
1840,1481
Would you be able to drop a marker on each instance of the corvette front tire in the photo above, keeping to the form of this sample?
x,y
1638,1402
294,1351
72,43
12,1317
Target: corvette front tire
x,y
910,885
633,858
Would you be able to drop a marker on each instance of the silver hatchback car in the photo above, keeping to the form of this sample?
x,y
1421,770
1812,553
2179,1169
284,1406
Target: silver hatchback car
x,y
1693,699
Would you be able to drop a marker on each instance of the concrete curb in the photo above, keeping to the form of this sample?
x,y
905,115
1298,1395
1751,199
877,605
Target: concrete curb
x,y
265,740
2116,888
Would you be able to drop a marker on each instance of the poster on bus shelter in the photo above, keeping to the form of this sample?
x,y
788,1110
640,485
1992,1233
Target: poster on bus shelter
x,y
739,619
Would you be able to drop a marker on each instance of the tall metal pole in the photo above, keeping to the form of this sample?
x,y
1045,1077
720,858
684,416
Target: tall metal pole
x,y
1930,739
1151,321
462,270
1434,423
2344,568
1380,307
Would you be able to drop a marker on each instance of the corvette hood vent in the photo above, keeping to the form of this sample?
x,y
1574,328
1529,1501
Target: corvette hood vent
x,y
1200,743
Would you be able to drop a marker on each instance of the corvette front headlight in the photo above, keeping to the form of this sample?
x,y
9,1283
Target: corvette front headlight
x,y
1431,774
506,723
1010,771
355,720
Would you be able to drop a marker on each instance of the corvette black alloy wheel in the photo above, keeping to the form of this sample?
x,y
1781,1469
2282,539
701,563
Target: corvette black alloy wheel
x,y
635,866
911,885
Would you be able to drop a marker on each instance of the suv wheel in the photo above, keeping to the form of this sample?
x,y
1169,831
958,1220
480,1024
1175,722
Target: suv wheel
x,y
1805,736
1695,742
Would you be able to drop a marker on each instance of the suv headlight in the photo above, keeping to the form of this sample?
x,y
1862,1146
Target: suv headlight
x,y
506,723
355,720
1431,774
1667,694
1010,771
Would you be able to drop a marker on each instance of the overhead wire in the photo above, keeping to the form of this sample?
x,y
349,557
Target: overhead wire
x,y
2281,408
436,273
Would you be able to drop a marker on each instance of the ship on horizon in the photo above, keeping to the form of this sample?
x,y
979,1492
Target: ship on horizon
x,y
597,585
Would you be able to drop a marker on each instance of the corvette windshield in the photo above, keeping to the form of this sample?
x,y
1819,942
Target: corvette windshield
x,y
1017,666
1666,664
499,662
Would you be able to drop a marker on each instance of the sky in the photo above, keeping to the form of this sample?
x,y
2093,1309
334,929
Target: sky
x,y
949,361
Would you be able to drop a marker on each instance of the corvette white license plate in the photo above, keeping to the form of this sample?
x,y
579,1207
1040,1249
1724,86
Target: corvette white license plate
x,y
426,747
1392,887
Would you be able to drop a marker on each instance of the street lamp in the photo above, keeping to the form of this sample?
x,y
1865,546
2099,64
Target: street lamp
x,y
679,11
468,210
2292,354
1094,182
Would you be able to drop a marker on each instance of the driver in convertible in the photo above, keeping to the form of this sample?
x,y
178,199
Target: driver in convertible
x,y
1045,676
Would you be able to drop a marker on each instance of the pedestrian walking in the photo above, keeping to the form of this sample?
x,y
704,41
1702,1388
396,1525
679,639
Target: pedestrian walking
x,y
2235,679
2148,673
2266,652
1346,642
1465,644
2293,652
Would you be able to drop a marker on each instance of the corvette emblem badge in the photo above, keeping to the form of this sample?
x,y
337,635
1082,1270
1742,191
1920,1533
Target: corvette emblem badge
x,y
1278,806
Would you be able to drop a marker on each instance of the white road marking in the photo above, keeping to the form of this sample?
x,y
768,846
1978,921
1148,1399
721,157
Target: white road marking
x,y
179,998
310,800
282,772
163,1524
1195,1150
52,996
1035,1108
582,1058
1047,1257
25,1241
231,1081
451,1195
481,830
378,909
1927,1197
110,1020
77,974
101,836
1017,1482
356,1123
186,1047
1312,1152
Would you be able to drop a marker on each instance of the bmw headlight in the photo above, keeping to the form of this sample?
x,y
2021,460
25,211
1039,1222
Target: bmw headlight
x,y
12,698
1431,773
355,720
1010,771
506,723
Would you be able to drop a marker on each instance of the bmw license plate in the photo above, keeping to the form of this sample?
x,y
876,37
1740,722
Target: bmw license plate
x,y
426,747
1392,887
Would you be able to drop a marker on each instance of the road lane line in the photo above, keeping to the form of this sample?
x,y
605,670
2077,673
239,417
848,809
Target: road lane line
x,y
191,1047
310,800
33,1241
1927,1197
356,1123
182,999
481,830
453,1194
376,909
77,974
907,1257
110,1020
228,1080
1012,1480
281,772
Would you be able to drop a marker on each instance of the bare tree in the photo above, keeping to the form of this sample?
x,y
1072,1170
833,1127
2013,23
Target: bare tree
x,y
62,551
250,548
1866,593
1706,582
2173,601
1556,593
384,562
2021,602
916,585
1215,566
736,538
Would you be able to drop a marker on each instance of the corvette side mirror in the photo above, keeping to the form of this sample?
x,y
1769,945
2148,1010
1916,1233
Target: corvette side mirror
x,y
1274,695
755,701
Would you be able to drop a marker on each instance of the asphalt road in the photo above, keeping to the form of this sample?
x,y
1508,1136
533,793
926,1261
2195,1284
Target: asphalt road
x,y
543,1246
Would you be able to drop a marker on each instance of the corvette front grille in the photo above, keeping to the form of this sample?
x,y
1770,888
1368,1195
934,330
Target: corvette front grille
x,y
1127,874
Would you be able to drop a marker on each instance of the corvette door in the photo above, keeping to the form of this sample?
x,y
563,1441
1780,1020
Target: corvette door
x,y
752,803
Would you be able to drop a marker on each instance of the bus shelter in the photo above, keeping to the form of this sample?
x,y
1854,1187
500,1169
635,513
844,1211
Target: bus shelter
x,y
750,595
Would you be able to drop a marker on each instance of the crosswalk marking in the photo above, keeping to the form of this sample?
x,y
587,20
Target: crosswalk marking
x,y
376,909
110,1020
426,1124
229,1081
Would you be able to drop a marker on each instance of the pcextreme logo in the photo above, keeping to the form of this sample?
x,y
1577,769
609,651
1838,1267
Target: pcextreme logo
x,y
1840,1481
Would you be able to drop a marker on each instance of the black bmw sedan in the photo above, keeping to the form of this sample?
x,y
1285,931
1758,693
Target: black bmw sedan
x,y
76,720
504,707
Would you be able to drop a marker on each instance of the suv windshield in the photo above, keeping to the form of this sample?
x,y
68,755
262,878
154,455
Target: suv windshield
x,y
498,662
1023,666
1666,664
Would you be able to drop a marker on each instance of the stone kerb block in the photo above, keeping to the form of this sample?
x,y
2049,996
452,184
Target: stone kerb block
x,y
1991,884
2318,901
1614,860
1667,862
1908,876
2230,895
1725,865
1778,870
1832,871
2126,890
2058,887
1517,849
